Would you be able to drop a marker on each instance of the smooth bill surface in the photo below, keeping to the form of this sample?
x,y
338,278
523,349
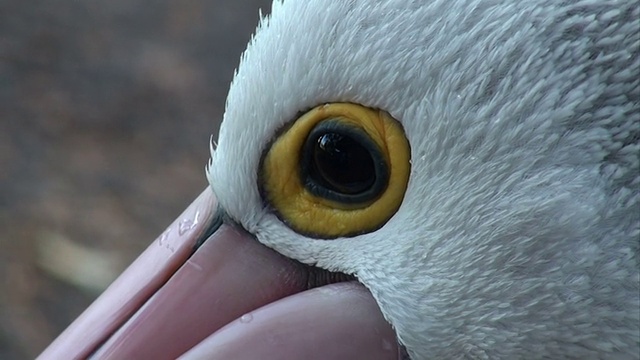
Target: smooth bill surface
x,y
337,321
172,298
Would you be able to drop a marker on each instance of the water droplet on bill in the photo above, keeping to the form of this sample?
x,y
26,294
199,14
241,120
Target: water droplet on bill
x,y
246,318
187,225
387,345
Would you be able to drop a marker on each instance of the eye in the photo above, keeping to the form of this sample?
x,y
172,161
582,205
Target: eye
x,y
338,170
341,163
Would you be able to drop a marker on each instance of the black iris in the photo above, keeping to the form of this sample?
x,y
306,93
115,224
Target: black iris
x,y
342,163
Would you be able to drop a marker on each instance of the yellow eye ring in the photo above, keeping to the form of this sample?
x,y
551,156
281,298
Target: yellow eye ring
x,y
339,170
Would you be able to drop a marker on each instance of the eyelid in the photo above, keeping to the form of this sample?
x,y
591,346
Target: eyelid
x,y
283,189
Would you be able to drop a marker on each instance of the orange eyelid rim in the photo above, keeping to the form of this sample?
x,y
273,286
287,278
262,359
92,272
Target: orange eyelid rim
x,y
318,217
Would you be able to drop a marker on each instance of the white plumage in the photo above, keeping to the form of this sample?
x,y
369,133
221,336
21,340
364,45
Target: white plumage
x,y
519,234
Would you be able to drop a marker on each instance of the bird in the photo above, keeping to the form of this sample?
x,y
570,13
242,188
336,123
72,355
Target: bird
x,y
394,179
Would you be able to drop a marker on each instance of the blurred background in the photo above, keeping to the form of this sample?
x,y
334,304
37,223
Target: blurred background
x,y
106,111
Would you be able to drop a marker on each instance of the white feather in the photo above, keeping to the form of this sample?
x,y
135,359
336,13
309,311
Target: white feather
x,y
520,230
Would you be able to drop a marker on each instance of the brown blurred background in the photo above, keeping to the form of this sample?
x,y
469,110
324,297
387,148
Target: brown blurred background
x,y
106,109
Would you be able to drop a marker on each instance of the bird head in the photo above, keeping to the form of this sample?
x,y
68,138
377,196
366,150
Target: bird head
x,y
457,158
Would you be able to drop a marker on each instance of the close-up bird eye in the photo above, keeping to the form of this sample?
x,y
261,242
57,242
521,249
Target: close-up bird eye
x,y
340,169
383,180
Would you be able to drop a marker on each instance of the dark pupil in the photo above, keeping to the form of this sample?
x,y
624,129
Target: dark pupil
x,y
342,164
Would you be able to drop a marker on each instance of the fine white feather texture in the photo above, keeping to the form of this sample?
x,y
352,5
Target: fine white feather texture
x,y
519,235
